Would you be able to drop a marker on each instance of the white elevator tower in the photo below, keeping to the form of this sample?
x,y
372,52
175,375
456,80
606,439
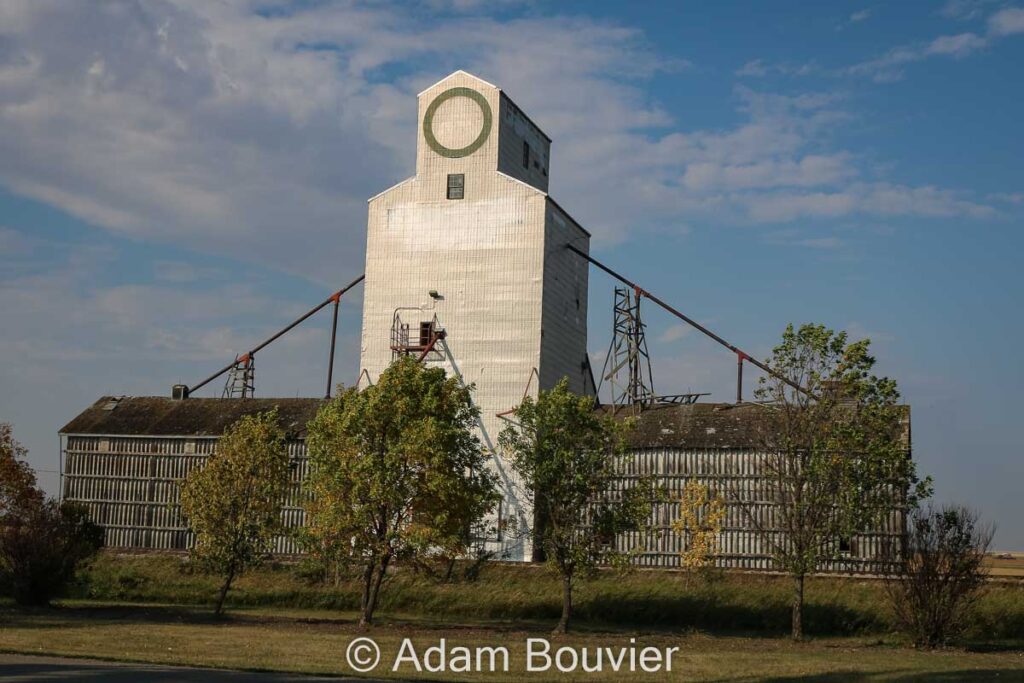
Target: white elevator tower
x,y
474,246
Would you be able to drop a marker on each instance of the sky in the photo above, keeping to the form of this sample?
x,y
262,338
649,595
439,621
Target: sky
x,y
178,179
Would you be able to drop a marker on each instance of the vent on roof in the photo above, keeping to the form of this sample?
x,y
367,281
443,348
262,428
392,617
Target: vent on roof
x,y
112,403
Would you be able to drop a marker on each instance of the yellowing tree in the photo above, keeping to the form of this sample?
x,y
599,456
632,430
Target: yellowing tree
x,y
233,503
701,515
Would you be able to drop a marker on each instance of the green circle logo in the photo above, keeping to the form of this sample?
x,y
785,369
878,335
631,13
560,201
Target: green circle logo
x,y
428,123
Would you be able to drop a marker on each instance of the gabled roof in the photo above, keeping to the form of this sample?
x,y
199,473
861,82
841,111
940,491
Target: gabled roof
x,y
696,426
691,427
712,426
203,417
702,425
452,75
489,85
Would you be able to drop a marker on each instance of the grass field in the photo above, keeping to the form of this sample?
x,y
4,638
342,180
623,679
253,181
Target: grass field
x,y
729,603
732,628
315,642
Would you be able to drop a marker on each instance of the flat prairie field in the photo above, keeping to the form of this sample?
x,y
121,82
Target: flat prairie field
x,y
1010,565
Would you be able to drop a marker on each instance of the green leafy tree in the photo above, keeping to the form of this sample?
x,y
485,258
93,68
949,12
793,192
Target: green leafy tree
x,y
42,542
395,474
233,503
566,454
835,458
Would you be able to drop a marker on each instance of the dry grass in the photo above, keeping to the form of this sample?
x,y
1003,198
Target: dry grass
x,y
314,642
730,628
1011,567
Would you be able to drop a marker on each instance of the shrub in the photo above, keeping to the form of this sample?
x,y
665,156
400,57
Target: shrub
x,y
42,541
41,548
937,574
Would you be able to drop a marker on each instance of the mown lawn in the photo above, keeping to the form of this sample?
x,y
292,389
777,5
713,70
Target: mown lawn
x,y
315,642
728,627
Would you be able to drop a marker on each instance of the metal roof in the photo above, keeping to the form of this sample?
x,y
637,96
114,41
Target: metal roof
x,y
696,426
163,416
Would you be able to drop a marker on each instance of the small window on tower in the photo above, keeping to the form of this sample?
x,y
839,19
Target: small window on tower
x,y
456,185
526,154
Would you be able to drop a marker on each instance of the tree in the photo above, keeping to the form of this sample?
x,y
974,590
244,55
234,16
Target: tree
x,y
42,542
233,503
835,460
701,515
936,574
395,474
18,488
566,455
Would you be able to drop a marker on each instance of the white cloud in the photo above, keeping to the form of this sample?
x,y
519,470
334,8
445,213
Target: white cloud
x,y
261,136
821,243
471,5
1007,22
888,68
1008,197
181,272
674,333
71,337
201,126
807,171
127,322
875,199
782,207
210,126
959,46
793,238
757,68
776,167
964,9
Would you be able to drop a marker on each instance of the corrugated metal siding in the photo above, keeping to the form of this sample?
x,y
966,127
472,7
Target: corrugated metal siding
x,y
740,472
514,128
564,304
130,486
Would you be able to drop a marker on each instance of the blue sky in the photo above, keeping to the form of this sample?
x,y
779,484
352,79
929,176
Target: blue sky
x,y
178,179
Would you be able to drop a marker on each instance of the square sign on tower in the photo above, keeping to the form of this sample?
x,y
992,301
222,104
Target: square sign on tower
x,y
466,267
